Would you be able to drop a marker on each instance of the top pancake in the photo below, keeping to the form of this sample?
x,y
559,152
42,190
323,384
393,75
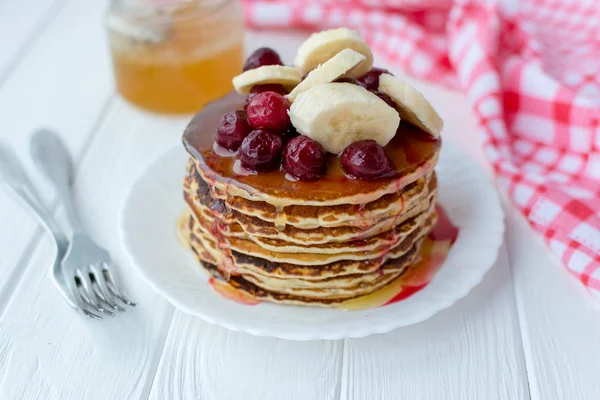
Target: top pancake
x,y
412,152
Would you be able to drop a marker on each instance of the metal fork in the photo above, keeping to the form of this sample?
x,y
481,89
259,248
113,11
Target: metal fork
x,y
16,182
86,266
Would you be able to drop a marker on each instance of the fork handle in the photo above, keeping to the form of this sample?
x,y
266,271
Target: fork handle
x,y
52,159
20,188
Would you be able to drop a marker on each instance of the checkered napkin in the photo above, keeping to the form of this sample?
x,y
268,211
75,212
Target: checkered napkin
x,y
531,72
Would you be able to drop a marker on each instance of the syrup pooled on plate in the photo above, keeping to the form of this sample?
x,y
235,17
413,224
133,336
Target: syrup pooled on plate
x,y
409,150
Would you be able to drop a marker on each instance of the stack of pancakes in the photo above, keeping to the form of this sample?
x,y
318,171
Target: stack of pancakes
x,y
308,252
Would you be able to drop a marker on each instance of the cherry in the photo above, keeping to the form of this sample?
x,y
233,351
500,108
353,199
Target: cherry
x,y
268,87
365,159
371,79
289,134
261,151
352,81
269,110
232,129
262,56
304,159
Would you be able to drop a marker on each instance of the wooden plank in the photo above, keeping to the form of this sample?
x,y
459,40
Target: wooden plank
x,y
21,22
116,357
469,351
63,82
203,361
16,235
49,352
559,320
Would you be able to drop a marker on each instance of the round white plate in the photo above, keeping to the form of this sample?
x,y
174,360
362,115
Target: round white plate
x,y
148,232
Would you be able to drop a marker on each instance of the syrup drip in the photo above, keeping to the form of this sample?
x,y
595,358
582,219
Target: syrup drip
x,y
360,222
227,267
280,218
394,235
400,210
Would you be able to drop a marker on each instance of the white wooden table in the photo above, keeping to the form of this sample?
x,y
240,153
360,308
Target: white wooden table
x,y
528,331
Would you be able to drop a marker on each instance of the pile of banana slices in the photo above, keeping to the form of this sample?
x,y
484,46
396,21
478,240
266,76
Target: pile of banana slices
x,y
336,114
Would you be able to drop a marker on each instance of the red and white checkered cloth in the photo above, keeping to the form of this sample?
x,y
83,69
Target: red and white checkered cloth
x,y
531,71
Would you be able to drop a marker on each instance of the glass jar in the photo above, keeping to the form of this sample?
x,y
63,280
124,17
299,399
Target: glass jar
x,y
174,56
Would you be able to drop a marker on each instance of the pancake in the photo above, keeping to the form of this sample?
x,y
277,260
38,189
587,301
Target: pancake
x,y
328,292
345,282
302,238
238,283
241,225
308,257
335,287
260,266
315,243
389,238
310,217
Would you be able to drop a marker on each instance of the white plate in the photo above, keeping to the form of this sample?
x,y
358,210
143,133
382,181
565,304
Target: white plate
x,y
148,232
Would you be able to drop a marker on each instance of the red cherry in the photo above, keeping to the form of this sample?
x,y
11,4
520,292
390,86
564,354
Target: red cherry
x,y
261,151
289,134
371,79
269,87
269,110
365,159
304,159
262,56
232,129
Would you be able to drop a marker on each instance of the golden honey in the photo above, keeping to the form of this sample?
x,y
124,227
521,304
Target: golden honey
x,y
175,56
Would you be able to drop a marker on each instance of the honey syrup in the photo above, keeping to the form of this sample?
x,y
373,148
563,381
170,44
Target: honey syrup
x,y
175,60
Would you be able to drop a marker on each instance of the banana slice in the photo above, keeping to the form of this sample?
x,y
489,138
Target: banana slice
x,y
332,69
411,104
321,46
338,114
289,77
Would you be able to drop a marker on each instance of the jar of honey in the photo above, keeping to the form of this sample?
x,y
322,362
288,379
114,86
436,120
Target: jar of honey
x,y
174,56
